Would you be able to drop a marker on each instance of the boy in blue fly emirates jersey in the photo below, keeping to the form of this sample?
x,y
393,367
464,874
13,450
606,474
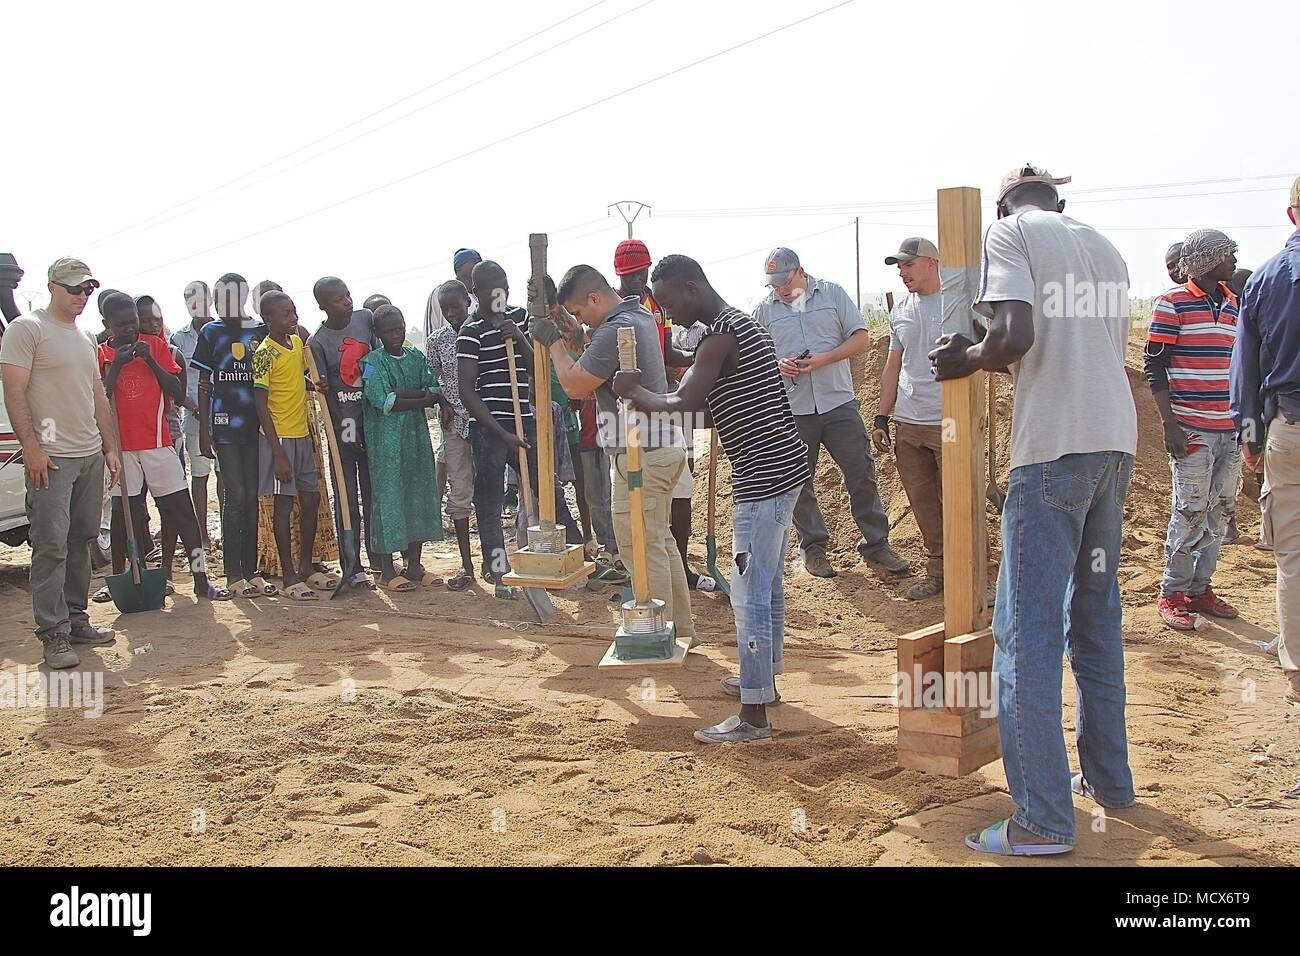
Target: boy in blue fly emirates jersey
x,y
228,426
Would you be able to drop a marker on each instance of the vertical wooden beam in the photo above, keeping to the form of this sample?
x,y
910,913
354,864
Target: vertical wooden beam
x,y
542,390
965,537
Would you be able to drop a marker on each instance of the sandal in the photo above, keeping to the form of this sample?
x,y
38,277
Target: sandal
x,y
431,580
243,589
324,581
400,583
705,583
215,593
170,589
460,582
101,596
263,586
361,582
301,592
993,839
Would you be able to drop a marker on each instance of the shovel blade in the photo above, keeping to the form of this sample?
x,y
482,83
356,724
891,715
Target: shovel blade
x,y
132,598
541,603
347,563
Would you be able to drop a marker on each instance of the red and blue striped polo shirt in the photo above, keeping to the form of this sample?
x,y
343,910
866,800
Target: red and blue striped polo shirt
x,y
1199,334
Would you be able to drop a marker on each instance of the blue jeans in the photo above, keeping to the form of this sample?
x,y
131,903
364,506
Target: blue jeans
x,y
1058,593
1205,486
760,534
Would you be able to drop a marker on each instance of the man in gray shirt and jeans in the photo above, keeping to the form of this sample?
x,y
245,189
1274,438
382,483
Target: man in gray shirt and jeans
x,y
816,329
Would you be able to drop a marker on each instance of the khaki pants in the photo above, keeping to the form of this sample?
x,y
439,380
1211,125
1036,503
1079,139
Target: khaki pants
x,y
1280,510
459,459
659,470
919,452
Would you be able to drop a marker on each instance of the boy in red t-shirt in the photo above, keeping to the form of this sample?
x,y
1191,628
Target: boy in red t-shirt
x,y
139,376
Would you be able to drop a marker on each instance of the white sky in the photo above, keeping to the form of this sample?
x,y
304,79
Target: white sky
x,y
130,113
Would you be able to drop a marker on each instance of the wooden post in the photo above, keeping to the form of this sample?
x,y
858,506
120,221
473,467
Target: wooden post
x,y
542,390
632,432
965,544
948,735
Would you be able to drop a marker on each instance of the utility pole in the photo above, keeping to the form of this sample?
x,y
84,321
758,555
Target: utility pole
x,y
628,209
857,259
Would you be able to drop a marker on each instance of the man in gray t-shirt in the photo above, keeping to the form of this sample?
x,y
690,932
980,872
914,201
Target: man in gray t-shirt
x,y
1056,293
910,396
590,299
816,329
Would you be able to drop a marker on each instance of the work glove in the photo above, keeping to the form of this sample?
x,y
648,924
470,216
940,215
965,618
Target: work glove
x,y
545,331
880,433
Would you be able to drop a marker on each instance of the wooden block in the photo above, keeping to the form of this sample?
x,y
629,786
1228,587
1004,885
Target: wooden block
x,y
965,658
944,746
544,565
931,720
923,649
969,757
680,647
549,583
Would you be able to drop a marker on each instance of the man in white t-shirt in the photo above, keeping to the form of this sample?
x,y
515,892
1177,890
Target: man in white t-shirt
x,y
1056,294
910,396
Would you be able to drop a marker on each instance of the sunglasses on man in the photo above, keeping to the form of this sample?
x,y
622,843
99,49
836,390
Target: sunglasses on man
x,y
86,288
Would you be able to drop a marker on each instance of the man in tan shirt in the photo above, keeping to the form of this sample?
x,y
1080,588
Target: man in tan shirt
x,y
59,413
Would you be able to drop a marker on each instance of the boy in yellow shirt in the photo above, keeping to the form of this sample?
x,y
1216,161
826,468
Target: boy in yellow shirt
x,y
286,460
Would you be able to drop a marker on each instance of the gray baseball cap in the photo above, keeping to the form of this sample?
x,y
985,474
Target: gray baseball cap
x,y
781,263
914,248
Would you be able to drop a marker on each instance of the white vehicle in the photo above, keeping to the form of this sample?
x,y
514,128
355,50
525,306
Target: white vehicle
x,y
13,486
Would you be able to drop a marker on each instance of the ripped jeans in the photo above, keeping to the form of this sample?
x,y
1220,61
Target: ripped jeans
x,y
760,535
1205,486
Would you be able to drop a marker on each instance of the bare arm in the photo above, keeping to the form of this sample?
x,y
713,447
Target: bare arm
x,y
889,383
260,396
1010,336
15,379
576,381
467,375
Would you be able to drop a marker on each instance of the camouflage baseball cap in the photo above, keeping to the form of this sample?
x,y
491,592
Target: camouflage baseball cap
x,y
70,272
1022,175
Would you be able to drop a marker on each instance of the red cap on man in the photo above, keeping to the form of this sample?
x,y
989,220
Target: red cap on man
x,y
631,256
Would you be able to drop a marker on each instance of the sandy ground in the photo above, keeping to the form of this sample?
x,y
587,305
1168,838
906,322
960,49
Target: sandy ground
x,y
433,727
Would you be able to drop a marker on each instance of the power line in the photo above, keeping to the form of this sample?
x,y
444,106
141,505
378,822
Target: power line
x,y
149,222
498,142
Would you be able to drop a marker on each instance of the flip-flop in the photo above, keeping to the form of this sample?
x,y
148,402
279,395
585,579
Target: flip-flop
x,y
733,730
705,583
301,592
400,583
993,839
431,580
243,589
263,586
460,582
102,596
170,589
323,581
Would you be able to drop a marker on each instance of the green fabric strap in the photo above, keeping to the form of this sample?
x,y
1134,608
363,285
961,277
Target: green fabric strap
x,y
633,480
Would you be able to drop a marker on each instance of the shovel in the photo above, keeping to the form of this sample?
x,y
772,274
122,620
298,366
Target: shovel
x,y
347,537
135,589
540,601
711,542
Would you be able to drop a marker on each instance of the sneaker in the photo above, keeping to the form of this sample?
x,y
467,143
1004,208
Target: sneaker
x,y
884,559
1175,611
89,634
1207,602
58,653
816,564
927,588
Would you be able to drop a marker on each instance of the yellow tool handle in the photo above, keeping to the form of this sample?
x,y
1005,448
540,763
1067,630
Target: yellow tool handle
x,y
632,431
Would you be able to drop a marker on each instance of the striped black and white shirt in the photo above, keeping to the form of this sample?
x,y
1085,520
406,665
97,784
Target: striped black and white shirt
x,y
752,414
479,341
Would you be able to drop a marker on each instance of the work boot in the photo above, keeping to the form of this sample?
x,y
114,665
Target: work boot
x,y
1207,602
928,587
884,559
89,634
58,653
816,564
1175,612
